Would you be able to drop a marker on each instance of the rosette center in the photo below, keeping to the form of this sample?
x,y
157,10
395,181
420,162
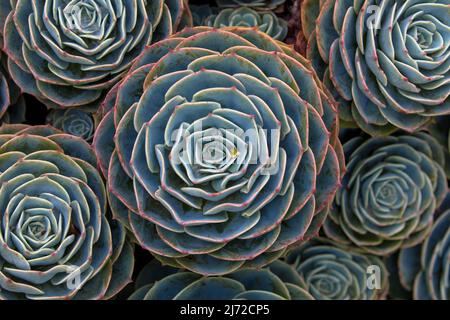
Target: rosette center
x,y
36,224
85,17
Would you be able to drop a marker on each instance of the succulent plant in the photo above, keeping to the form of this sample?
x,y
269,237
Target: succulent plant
x,y
256,4
277,282
439,128
266,22
423,270
332,273
225,150
391,189
68,53
385,61
55,239
73,121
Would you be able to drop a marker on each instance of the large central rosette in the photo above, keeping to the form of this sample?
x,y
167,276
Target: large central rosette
x,y
225,151
67,52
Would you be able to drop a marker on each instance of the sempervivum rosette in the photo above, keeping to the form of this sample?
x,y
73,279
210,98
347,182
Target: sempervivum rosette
x,y
423,270
332,273
67,52
266,22
55,240
389,194
278,282
225,149
256,4
386,61
73,121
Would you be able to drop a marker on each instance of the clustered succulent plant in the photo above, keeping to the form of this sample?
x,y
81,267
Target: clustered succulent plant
x,y
389,194
12,104
233,150
55,238
73,121
332,273
386,62
67,53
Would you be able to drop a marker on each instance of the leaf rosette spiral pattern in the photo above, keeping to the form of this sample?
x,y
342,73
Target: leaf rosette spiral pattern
x,y
332,273
67,53
387,62
389,194
55,239
73,121
225,153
